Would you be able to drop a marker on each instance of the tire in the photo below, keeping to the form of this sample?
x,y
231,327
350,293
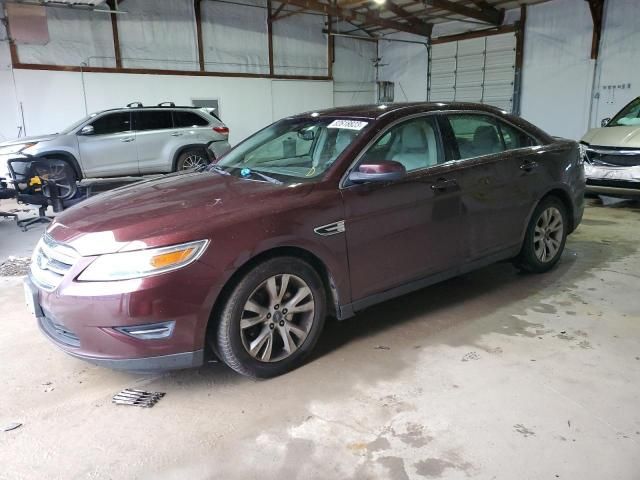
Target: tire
x,y
543,245
241,328
192,158
63,174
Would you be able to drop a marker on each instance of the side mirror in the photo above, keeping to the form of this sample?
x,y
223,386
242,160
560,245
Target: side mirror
x,y
604,122
87,130
384,171
307,134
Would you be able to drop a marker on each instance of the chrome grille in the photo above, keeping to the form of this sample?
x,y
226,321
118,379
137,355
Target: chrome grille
x,y
614,157
50,262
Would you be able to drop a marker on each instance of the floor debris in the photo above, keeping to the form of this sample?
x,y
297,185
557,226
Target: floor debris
x,y
15,267
137,398
11,426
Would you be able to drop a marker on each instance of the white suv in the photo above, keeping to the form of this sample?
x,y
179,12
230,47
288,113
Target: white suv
x,y
135,140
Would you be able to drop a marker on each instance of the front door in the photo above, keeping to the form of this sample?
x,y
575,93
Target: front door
x,y
403,231
110,151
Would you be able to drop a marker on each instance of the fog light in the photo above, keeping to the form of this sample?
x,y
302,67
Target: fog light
x,y
149,331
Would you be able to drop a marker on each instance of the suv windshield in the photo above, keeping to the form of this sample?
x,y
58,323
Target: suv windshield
x,y
293,149
75,125
628,116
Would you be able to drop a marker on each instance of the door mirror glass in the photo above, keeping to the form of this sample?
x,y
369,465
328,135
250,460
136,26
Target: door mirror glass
x,y
384,171
605,122
87,130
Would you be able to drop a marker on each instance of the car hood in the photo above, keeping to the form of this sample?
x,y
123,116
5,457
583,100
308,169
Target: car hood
x,y
34,139
170,210
626,137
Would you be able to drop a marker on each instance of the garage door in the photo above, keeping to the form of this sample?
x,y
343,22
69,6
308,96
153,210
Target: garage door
x,y
475,70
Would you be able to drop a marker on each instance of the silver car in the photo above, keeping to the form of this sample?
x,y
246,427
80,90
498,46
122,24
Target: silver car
x,y
134,140
612,153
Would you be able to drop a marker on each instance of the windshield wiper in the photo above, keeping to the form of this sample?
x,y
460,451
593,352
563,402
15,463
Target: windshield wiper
x,y
269,179
217,169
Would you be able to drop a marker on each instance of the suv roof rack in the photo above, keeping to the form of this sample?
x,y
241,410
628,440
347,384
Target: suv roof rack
x,y
134,104
166,104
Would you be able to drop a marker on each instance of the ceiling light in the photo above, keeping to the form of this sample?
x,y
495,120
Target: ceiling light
x,y
379,2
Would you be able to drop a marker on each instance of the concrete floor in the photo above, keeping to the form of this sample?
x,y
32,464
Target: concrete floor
x,y
493,375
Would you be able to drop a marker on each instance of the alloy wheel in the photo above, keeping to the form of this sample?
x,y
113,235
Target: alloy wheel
x,y
194,161
277,318
547,235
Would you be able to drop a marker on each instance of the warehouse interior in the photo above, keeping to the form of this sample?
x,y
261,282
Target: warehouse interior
x,y
489,374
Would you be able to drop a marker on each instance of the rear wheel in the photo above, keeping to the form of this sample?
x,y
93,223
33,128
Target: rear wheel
x,y
272,319
193,158
546,236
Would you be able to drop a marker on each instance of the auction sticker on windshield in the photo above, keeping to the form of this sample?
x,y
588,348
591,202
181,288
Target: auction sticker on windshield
x,y
347,124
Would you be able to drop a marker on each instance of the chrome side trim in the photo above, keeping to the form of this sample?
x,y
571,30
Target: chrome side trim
x,y
331,229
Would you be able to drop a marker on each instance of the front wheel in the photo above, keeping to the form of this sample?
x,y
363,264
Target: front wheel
x,y
272,318
545,238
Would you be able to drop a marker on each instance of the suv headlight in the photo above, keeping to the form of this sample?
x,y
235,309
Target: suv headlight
x,y
8,150
583,151
142,263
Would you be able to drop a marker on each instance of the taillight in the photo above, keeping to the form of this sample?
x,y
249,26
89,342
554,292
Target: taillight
x,y
221,130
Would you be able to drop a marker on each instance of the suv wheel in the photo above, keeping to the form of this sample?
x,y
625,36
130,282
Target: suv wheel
x,y
545,238
272,319
193,158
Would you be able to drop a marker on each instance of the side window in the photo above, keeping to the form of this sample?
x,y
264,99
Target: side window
x,y
112,123
514,138
182,119
412,143
476,135
152,120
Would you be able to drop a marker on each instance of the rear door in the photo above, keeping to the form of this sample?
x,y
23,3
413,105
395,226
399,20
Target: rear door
x,y
497,178
111,149
154,137
402,231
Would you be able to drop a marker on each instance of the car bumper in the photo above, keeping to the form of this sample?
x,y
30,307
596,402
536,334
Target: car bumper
x,y
84,320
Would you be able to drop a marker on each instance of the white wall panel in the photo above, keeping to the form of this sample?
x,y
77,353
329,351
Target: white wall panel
x,y
354,73
299,46
50,100
619,63
406,65
235,37
290,97
9,119
557,72
53,100
159,34
76,37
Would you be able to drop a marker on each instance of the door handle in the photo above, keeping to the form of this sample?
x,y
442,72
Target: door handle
x,y
127,139
443,184
529,165
176,134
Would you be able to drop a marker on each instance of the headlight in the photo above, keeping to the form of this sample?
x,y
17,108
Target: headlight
x,y
142,263
15,148
583,151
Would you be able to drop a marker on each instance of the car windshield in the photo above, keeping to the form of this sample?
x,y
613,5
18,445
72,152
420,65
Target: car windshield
x,y
75,125
293,149
628,116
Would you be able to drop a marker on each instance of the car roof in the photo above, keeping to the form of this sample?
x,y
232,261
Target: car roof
x,y
375,111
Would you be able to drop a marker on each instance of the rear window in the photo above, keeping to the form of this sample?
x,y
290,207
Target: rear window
x,y
153,120
183,119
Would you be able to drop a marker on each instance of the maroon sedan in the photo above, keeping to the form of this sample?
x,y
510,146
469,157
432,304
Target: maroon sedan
x,y
325,213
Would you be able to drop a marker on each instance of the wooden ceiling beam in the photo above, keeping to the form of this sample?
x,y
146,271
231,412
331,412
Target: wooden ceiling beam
x,y
408,16
486,14
367,18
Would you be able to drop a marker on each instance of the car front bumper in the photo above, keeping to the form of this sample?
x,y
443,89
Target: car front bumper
x,y
84,320
617,181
